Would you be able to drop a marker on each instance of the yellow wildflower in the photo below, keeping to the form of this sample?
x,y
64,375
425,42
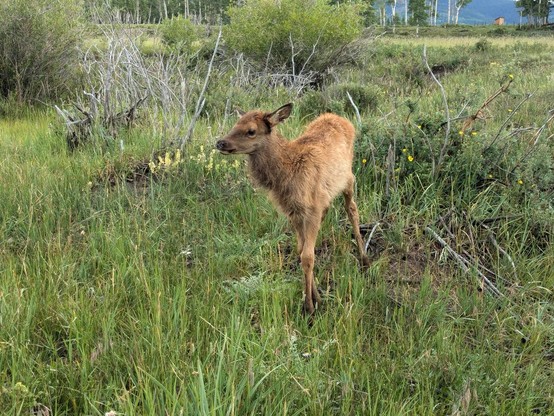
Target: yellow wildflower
x,y
364,161
20,388
461,132
404,150
519,181
410,158
511,76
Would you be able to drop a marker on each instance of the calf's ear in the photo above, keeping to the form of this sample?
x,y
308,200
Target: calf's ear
x,y
279,115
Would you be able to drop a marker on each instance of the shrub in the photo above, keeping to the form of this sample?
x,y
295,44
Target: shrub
x,y
364,96
334,99
38,48
498,31
314,103
179,33
294,34
483,45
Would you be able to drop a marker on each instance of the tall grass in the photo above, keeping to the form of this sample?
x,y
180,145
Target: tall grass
x,y
178,293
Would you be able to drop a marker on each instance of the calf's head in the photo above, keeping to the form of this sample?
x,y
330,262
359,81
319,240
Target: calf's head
x,y
252,131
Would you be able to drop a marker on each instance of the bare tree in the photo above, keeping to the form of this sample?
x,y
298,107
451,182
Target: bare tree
x,y
119,79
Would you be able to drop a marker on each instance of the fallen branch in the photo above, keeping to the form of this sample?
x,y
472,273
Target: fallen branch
x,y
371,236
500,249
464,263
77,130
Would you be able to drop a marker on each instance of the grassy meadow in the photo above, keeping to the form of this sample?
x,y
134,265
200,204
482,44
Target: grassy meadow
x,y
175,290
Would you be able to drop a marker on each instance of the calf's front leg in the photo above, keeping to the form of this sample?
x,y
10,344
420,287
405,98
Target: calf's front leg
x,y
307,229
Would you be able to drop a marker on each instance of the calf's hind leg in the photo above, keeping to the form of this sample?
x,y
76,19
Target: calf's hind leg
x,y
354,217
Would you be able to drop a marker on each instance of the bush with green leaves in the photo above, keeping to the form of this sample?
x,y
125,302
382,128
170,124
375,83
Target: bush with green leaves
x,y
315,102
365,97
482,45
334,98
179,33
38,48
292,34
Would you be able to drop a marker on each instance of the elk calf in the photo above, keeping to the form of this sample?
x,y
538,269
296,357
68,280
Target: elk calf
x,y
302,176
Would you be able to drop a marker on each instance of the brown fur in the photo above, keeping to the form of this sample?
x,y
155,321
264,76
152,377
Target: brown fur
x,y
302,176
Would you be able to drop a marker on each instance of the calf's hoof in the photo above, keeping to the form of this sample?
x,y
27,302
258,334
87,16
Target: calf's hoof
x,y
364,263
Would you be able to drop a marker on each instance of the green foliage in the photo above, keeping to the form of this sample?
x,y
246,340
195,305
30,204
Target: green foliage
x,y
334,98
292,33
418,12
536,11
483,45
154,11
179,33
38,48
365,97
188,298
313,103
159,317
499,31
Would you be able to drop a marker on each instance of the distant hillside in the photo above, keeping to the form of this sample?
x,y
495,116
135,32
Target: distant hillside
x,y
485,11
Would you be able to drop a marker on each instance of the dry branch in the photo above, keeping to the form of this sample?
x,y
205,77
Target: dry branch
x,y
201,100
535,139
500,249
390,171
479,114
527,97
464,263
446,110
357,112
368,242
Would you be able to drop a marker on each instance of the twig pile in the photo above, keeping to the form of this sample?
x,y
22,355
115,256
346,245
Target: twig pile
x,y
80,125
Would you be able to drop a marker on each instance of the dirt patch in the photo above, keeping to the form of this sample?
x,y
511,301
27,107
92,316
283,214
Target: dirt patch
x,y
406,259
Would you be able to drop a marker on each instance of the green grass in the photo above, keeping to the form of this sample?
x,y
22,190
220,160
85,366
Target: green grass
x,y
179,293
